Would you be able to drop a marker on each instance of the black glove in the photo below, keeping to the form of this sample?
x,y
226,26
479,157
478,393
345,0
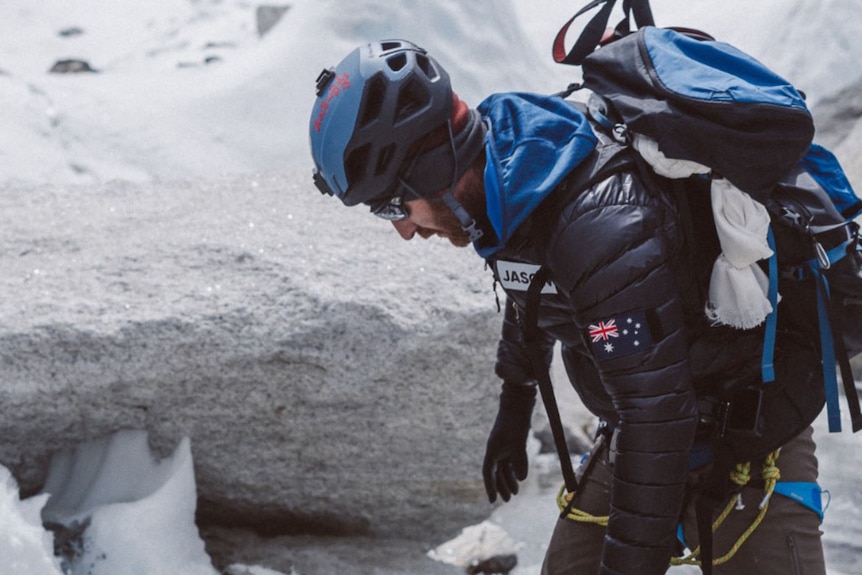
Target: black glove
x,y
506,453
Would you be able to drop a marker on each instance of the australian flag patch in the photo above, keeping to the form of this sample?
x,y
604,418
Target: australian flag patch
x,y
619,336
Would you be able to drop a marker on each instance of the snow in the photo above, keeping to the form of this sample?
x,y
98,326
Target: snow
x,y
114,509
140,511
190,90
25,546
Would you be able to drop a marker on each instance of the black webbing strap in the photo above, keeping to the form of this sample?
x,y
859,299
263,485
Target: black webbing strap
x,y
594,31
641,11
851,395
540,372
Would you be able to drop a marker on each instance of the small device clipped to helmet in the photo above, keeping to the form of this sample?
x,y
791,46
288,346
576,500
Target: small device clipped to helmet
x,y
323,80
320,183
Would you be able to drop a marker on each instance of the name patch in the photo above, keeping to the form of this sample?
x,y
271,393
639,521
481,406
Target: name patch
x,y
517,276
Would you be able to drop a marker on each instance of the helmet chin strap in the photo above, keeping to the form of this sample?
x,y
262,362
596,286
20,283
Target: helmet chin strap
x,y
468,222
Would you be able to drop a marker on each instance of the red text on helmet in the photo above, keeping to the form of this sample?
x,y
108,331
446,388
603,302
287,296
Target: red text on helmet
x,y
338,84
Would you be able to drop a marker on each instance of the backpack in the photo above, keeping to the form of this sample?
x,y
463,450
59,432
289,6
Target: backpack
x,y
709,103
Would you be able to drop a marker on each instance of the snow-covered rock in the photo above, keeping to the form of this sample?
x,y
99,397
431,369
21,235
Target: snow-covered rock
x,y
331,377
475,544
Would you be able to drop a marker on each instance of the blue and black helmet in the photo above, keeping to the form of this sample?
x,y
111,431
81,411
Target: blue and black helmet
x,y
370,111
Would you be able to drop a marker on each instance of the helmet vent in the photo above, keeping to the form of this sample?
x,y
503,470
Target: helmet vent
x,y
397,61
355,164
390,45
427,67
412,98
384,159
375,91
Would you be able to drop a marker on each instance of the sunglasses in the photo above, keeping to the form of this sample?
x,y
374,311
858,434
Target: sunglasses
x,y
391,210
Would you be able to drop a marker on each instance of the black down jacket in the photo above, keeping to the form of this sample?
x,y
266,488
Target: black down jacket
x,y
627,304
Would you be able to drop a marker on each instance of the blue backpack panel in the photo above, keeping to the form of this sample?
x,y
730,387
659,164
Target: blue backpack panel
x,y
704,101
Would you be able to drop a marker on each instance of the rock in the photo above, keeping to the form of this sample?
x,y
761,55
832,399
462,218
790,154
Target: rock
x,y
499,564
332,378
70,32
71,66
574,441
478,549
268,16
207,60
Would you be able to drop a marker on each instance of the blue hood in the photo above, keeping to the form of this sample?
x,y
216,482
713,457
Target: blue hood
x,y
533,142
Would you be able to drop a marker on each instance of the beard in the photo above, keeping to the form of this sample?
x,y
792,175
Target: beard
x,y
446,226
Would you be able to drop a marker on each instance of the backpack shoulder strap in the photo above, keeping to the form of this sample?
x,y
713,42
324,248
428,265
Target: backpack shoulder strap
x,y
540,372
608,158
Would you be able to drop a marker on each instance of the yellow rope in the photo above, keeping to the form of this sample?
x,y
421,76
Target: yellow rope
x,y
575,514
740,475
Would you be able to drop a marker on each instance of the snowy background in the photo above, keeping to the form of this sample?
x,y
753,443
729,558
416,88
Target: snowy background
x,y
197,90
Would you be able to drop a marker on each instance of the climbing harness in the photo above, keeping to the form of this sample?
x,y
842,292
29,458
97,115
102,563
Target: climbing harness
x,y
740,476
805,493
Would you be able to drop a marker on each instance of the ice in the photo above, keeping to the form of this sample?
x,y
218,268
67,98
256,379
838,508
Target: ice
x,y
122,511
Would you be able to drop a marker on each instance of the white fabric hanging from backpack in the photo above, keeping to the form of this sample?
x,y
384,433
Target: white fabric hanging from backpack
x,y
738,290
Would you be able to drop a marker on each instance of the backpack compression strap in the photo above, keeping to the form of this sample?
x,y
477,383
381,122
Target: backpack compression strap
x,y
594,31
832,341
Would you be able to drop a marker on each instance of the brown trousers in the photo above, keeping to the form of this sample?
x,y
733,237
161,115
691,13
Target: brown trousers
x,y
787,541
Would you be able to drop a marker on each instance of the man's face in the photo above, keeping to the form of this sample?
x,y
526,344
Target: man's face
x,y
432,218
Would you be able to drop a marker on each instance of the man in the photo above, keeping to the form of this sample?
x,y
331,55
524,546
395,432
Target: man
x,y
625,301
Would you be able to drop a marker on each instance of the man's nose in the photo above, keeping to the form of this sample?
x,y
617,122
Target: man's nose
x,y
406,229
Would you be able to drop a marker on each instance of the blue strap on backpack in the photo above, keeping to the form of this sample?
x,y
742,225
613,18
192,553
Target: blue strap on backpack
x,y
767,363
